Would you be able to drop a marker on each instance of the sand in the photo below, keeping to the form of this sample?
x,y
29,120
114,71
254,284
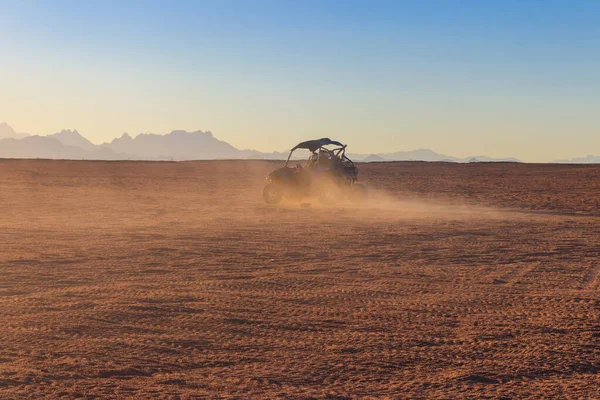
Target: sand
x,y
175,280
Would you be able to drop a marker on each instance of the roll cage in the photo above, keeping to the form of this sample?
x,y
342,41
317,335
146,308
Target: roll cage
x,y
337,155
313,146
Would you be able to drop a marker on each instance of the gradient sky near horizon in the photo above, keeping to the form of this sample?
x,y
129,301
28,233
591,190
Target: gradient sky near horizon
x,y
463,78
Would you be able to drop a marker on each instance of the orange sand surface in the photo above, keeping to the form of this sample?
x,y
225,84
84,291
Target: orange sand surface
x,y
175,280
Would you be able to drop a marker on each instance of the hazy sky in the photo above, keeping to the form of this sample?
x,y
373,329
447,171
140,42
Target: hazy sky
x,y
500,78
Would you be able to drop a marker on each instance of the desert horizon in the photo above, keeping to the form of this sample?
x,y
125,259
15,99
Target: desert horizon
x,y
180,145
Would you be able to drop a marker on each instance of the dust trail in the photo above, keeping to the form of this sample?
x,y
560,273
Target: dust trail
x,y
390,205
384,205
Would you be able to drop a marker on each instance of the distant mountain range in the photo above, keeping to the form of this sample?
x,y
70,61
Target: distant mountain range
x,y
182,145
580,160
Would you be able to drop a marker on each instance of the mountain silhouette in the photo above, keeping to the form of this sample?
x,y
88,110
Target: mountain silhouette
x,y
176,145
73,138
6,132
580,160
430,155
489,159
373,158
37,147
415,155
51,147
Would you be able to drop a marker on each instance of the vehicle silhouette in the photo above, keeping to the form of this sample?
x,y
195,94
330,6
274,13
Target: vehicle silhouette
x,y
328,174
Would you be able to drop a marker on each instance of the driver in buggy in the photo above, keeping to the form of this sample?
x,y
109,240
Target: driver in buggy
x,y
312,160
324,161
321,164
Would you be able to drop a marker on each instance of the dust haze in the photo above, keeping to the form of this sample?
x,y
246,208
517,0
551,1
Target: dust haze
x,y
174,279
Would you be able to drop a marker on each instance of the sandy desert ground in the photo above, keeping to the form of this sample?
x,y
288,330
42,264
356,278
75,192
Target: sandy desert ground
x,y
175,280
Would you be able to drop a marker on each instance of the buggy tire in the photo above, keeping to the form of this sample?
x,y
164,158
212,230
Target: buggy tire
x,y
272,194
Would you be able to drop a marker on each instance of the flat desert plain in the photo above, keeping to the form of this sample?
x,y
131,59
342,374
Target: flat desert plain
x,y
175,280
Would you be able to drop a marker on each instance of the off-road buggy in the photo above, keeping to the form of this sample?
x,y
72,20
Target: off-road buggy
x,y
327,174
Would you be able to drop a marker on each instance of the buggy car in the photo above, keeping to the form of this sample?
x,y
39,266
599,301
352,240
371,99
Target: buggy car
x,y
327,174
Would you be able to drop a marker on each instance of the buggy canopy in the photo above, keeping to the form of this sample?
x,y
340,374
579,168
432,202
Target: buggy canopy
x,y
313,145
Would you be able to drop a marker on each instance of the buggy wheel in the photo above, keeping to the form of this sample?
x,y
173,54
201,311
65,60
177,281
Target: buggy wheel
x,y
272,194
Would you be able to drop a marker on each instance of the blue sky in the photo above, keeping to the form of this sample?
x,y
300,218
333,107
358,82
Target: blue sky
x,y
500,78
